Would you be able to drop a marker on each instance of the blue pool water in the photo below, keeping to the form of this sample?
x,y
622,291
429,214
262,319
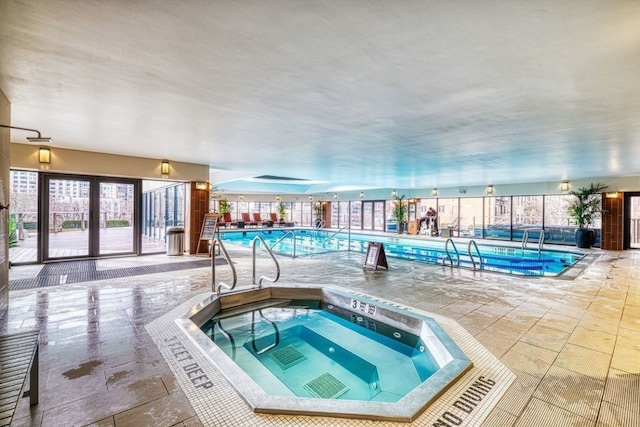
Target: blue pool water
x,y
296,350
505,259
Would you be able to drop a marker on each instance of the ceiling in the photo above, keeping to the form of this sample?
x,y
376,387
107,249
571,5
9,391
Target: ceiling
x,y
338,94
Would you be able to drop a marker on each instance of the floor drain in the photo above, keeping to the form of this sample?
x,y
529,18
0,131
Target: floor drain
x,y
287,356
326,386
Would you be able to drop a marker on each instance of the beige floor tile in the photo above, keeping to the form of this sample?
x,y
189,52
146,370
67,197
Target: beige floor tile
x,y
543,414
499,418
553,320
623,390
131,372
629,338
599,323
529,358
594,340
478,319
167,410
626,359
107,422
541,336
519,394
615,416
567,310
584,361
630,321
574,392
33,419
99,406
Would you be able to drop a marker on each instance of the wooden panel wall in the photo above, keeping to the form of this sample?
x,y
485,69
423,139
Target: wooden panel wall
x,y
198,207
612,223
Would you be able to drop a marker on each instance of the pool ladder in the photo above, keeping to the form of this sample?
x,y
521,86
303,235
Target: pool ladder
x,y
472,243
446,249
525,240
332,235
293,237
218,288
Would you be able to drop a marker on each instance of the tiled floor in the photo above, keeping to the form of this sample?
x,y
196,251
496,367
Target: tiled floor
x,y
574,343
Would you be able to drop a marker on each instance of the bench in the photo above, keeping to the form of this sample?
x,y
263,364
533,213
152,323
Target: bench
x,y
18,359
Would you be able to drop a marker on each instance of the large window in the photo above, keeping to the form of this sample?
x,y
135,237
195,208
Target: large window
x,y
527,217
557,224
162,207
23,217
497,218
470,217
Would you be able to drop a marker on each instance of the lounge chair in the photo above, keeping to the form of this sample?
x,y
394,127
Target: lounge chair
x,y
276,221
226,221
247,220
258,219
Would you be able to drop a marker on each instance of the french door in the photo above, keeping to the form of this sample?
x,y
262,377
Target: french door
x,y
373,215
88,217
632,220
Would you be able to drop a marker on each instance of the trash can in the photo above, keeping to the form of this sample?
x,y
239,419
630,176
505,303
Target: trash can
x,y
175,241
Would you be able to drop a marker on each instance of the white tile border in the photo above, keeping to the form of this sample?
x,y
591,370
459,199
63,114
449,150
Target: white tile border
x,y
466,403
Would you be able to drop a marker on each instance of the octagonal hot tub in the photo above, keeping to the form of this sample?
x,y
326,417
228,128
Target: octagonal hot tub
x,y
323,351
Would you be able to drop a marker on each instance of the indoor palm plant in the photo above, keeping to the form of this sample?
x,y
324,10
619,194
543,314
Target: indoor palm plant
x,y
399,212
282,211
583,209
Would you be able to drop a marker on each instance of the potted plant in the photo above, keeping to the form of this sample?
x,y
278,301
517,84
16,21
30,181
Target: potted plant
x,y
282,211
583,209
399,213
224,206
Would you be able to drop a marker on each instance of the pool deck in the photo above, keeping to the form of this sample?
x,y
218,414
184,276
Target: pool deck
x,y
573,341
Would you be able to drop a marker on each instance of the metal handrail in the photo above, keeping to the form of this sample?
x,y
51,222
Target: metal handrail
x,y
273,257
293,237
221,285
330,237
525,239
473,261
446,249
253,333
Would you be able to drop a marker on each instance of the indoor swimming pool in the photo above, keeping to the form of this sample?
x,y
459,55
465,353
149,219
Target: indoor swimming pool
x,y
528,261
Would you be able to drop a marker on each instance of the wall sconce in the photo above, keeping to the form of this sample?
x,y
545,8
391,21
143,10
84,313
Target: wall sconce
x,y
612,195
490,189
278,198
394,194
203,186
311,198
335,196
564,186
165,167
362,195
434,192
241,197
44,155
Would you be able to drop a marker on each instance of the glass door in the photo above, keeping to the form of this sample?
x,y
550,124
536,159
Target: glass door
x,y
116,218
88,216
378,216
632,220
66,220
367,215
